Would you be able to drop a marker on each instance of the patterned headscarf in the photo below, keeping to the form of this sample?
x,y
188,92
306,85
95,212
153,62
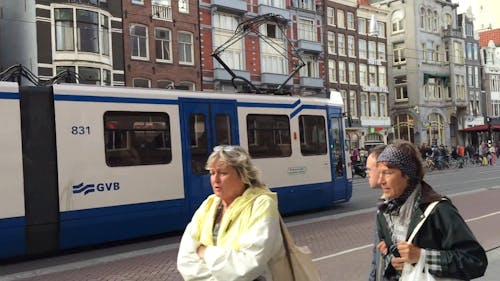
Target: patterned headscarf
x,y
402,161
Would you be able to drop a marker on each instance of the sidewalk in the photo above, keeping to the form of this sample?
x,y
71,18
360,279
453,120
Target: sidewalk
x,y
493,270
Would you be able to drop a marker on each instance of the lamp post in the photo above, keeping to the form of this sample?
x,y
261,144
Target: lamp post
x,y
488,122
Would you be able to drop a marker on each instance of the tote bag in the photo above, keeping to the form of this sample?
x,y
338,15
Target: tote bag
x,y
420,271
297,264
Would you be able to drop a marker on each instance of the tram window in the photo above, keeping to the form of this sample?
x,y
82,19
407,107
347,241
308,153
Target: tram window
x,y
137,138
337,154
312,135
198,138
222,129
268,136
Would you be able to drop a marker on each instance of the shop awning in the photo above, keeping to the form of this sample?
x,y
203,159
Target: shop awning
x,y
481,128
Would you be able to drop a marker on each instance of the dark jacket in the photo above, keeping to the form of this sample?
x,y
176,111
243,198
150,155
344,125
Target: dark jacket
x,y
445,233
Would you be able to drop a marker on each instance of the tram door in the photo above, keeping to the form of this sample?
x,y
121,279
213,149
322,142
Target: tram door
x,y
204,125
337,156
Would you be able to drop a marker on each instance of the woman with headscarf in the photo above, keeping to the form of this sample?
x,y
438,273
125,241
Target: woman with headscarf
x,y
235,233
449,246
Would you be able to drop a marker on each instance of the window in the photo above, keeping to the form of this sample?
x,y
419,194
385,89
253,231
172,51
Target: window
x,y
274,3
352,73
331,43
268,136
64,29
198,142
165,84
312,135
381,29
383,104
373,105
372,75
404,127
353,103
163,45
448,20
162,9
341,44
342,72
185,48
351,49
460,87
422,18
435,131
330,16
272,60
350,21
304,4
361,26
336,134
306,30
104,32
140,2
340,19
458,52
332,71
139,41
397,21
474,52
435,22
399,53
363,74
372,50
225,25
88,75
364,104
137,138
87,26
381,51
184,6
362,49
400,88
311,69
141,83
186,86
381,76
91,34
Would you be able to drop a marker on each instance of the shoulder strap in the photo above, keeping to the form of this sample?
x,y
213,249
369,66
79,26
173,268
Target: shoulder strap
x,y
427,212
287,243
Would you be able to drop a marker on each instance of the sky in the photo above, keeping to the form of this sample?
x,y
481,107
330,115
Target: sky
x,y
463,5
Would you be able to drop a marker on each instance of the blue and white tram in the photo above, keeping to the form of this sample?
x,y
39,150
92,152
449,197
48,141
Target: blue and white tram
x,y
100,164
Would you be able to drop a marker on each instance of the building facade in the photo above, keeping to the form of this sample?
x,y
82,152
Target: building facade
x,y
475,95
428,71
161,44
83,36
490,55
356,44
259,59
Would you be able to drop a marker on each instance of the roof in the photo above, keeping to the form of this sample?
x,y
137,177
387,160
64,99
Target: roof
x,y
364,2
486,36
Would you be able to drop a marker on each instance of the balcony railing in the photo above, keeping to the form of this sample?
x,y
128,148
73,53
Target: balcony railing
x,y
453,32
162,12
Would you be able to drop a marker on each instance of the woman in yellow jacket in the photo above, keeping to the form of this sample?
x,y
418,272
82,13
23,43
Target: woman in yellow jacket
x,y
235,233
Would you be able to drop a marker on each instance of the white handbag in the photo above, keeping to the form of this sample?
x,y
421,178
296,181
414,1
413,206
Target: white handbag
x,y
420,271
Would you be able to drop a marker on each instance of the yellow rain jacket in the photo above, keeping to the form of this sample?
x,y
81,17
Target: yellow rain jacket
x,y
249,237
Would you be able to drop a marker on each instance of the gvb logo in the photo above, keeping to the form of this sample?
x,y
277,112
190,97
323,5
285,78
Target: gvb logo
x,y
100,187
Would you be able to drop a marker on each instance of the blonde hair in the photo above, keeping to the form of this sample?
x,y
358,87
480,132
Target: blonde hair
x,y
238,158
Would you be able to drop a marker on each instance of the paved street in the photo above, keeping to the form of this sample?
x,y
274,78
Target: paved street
x,y
341,243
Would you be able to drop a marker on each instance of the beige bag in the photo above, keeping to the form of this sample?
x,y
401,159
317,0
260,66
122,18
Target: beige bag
x,y
296,265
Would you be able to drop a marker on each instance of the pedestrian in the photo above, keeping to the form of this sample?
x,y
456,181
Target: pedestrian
x,y
235,232
373,175
447,244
